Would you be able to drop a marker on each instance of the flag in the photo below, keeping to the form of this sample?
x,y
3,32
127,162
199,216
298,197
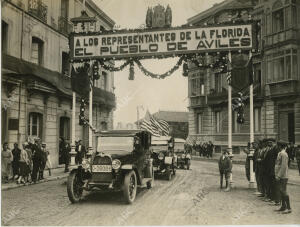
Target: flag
x,y
155,126
241,73
80,81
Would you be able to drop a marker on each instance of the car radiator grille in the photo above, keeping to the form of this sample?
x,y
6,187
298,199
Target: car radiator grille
x,y
102,160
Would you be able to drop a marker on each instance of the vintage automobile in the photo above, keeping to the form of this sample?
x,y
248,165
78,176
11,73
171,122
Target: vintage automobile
x,y
162,150
122,162
183,156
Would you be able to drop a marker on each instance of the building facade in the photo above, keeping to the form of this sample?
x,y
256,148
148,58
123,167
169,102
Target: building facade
x,y
276,77
36,86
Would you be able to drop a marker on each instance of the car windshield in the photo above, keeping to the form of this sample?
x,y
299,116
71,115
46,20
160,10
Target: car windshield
x,y
115,145
179,146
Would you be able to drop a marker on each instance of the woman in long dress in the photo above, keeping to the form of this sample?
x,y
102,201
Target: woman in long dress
x,y
6,158
48,162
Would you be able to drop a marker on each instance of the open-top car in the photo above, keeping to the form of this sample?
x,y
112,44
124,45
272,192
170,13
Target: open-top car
x,y
182,155
122,162
162,149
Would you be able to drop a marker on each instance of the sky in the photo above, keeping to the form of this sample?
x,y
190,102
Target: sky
x,y
150,94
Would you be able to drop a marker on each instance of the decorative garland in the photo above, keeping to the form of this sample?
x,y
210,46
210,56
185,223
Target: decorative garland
x,y
112,68
159,76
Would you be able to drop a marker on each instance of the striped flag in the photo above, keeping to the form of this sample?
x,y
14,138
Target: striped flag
x,y
155,126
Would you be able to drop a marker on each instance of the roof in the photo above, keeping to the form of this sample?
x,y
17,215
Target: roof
x,y
227,4
100,13
161,138
119,133
172,116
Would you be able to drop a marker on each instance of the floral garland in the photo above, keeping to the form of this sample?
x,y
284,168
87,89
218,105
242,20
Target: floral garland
x,y
112,68
160,76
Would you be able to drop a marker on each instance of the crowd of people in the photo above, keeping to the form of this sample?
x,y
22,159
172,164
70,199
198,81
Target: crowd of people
x,y
204,149
271,162
25,165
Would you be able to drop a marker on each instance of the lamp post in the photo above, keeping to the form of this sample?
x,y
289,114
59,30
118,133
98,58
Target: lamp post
x,y
83,24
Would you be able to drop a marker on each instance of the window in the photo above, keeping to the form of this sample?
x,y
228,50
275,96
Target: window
x,y
35,125
235,126
37,51
219,82
257,122
64,128
4,37
197,84
218,121
278,21
103,80
199,123
65,63
65,8
103,126
282,66
257,73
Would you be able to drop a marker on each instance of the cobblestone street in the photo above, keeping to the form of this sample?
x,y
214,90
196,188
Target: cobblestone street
x,y
192,198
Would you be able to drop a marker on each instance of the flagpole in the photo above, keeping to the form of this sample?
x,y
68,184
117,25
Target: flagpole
x,y
229,149
251,152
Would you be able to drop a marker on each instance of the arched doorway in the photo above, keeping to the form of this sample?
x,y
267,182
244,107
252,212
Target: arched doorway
x,y
64,133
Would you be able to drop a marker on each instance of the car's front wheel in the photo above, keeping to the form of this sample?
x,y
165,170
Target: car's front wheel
x,y
130,187
74,187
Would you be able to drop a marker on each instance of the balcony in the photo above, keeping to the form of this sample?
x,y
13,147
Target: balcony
x,y
197,101
284,88
64,26
216,98
280,37
38,9
104,97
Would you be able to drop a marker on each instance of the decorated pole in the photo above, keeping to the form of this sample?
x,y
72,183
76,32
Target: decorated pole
x,y
90,151
252,181
229,149
73,152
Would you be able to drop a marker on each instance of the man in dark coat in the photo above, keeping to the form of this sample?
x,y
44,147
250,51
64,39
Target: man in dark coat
x,y
16,152
81,152
37,156
225,167
66,156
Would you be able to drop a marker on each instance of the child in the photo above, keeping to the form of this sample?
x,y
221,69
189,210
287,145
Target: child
x,y
225,167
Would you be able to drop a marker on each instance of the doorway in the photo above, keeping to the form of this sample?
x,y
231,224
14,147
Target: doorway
x,y
287,126
64,133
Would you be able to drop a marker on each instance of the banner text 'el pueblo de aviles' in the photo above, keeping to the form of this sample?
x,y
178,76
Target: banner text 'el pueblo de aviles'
x,y
162,43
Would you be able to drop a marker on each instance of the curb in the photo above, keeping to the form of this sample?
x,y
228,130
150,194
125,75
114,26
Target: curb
x,y
235,162
38,182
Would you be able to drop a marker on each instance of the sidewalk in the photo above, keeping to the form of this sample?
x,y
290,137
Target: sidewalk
x,y
294,178
56,174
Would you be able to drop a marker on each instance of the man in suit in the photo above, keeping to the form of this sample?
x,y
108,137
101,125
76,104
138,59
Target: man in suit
x,y
81,152
16,152
37,156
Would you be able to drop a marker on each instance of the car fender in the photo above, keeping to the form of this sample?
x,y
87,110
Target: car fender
x,y
127,166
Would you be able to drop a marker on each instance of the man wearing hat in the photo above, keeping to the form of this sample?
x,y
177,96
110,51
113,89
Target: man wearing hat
x,y
37,155
43,161
81,151
225,167
281,174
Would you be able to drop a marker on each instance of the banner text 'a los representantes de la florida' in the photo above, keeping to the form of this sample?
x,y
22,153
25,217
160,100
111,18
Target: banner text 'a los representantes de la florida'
x,y
166,42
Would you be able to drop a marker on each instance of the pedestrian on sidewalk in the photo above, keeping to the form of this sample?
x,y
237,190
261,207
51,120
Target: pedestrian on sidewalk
x,y
23,162
225,167
6,159
43,161
297,154
66,156
48,162
29,164
281,174
36,159
15,163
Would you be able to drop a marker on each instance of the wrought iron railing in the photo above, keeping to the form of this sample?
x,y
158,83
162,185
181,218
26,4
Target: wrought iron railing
x,y
64,25
38,9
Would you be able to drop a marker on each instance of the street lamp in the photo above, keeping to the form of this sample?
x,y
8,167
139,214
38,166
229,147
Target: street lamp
x,y
82,24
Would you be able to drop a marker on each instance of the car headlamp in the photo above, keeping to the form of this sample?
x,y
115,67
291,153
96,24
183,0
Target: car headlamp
x,y
85,164
116,164
161,156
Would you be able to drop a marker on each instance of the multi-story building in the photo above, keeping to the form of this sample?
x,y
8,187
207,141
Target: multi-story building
x,y
36,87
276,77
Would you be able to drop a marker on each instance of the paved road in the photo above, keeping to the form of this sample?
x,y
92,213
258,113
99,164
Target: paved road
x,y
192,198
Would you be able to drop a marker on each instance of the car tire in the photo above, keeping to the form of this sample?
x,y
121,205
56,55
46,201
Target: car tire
x,y
188,164
130,187
74,188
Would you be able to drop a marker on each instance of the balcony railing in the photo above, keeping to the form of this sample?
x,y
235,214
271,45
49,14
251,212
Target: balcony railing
x,y
197,101
38,9
64,25
284,88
